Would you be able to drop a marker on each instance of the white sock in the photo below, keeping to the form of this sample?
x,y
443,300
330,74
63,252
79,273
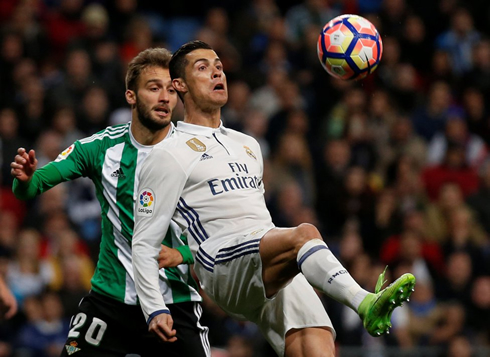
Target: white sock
x,y
324,272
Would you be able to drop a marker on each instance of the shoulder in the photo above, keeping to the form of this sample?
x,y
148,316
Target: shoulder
x,y
183,147
246,140
110,133
238,135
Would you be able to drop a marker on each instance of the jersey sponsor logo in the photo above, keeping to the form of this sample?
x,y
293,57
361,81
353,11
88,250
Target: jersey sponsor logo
x,y
72,348
118,173
146,203
250,152
205,157
196,145
240,181
65,153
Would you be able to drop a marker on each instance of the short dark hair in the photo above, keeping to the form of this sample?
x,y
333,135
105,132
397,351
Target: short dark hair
x,y
158,57
178,61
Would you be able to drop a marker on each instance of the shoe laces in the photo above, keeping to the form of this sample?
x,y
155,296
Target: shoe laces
x,y
381,281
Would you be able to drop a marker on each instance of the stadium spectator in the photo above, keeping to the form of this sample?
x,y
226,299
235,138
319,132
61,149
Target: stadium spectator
x,y
432,116
480,200
459,41
63,24
479,310
476,113
28,274
456,133
437,214
453,168
235,113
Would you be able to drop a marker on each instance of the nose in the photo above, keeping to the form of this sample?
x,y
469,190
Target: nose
x,y
164,96
217,73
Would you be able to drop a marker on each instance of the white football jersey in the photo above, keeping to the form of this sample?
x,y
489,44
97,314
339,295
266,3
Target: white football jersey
x,y
208,181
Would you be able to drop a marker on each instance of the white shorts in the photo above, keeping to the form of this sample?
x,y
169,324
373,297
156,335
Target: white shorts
x,y
236,285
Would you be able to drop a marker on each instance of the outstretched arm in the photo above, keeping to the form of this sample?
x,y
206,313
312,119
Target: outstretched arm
x,y
29,181
161,181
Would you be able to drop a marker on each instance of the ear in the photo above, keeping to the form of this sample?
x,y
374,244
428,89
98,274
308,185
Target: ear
x,y
130,97
179,85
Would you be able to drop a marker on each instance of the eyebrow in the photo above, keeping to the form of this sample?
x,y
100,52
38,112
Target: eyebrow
x,y
154,80
217,59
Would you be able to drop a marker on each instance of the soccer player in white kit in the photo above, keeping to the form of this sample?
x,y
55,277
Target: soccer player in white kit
x,y
208,180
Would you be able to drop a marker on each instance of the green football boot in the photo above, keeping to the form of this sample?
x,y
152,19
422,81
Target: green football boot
x,y
376,309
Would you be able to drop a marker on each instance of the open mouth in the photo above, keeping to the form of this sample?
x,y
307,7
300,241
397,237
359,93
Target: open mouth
x,y
162,110
219,86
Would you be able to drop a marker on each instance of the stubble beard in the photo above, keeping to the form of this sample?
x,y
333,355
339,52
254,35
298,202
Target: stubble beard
x,y
144,116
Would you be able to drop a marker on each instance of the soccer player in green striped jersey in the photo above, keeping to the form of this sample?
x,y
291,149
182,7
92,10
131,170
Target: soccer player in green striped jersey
x,y
110,321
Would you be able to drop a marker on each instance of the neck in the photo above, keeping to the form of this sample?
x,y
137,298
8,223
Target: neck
x,y
197,116
145,136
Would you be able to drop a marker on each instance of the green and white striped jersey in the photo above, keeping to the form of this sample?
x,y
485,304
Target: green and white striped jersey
x,y
112,159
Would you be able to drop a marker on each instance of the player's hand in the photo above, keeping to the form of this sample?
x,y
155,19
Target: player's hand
x,y
24,165
169,257
8,304
162,325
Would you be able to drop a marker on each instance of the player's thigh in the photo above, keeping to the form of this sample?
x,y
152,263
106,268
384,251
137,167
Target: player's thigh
x,y
278,251
192,337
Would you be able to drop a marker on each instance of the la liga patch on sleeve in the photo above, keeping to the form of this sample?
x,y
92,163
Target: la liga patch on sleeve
x,y
145,203
66,153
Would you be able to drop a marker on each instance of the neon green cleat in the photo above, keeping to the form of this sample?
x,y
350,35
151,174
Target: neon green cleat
x,y
376,309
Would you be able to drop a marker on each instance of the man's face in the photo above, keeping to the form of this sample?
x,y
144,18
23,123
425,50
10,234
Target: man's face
x,y
156,98
205,79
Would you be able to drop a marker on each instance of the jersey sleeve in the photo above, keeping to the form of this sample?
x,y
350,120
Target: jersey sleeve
x,y
161,181
186,254
70,164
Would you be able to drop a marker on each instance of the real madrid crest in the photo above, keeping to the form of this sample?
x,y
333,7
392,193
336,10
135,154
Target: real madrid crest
x,y
250,152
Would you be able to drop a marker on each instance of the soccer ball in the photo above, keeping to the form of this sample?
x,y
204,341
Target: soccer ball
x,y
349,47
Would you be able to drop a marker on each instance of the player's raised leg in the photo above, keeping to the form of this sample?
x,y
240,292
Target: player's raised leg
x,y
288,251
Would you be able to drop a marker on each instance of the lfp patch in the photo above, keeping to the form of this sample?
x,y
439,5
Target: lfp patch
x,y
146,203
66,153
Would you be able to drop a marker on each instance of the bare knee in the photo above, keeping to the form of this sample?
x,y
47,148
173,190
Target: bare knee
x,y
304,233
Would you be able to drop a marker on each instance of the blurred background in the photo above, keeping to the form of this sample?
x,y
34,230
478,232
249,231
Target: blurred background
x,y
394,169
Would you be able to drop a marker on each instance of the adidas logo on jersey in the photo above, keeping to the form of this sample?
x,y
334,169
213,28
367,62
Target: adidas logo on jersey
x,y
205,157
118,173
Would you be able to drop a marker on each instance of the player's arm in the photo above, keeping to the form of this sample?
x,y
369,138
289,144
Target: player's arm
x,y
161,181
186,254
29,181
171,257
175,250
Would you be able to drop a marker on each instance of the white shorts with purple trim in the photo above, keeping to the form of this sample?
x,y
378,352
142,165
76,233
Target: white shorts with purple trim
x,y
233,279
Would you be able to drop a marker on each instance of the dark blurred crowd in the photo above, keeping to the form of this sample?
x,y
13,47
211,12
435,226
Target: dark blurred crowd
x,y
394,169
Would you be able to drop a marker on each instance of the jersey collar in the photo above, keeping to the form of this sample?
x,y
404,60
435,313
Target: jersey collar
x,y
194,129
141,146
